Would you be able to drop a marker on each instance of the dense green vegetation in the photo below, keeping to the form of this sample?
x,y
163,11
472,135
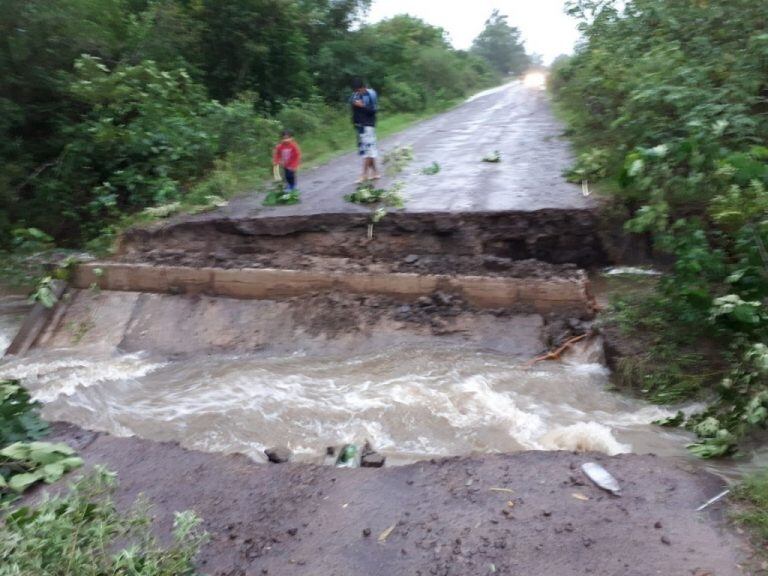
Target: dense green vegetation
x,y
81,533
23,460
500,45
669,103
109,107
752,504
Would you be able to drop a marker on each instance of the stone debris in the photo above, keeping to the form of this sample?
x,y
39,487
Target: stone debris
x,y
278,455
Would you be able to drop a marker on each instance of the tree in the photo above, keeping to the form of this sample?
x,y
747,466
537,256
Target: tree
x,y
255,45
500,45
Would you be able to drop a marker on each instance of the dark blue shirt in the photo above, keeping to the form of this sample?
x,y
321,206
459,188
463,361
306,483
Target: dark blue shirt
x,y
365,115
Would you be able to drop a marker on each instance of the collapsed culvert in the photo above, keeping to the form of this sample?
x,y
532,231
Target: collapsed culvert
x,y
421,352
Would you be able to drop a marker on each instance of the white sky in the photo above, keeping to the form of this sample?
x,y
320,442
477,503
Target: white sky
x,y
546,29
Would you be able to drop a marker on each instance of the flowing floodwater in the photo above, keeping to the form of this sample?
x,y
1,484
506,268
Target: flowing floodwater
x,y
410,403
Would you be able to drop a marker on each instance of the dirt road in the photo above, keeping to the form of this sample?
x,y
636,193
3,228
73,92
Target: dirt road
x,y
524,513
514,119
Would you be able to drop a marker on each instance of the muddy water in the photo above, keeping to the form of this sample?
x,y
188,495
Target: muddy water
x,y
410,403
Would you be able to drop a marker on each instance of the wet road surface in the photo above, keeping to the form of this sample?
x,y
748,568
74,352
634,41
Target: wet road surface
x,y
515,120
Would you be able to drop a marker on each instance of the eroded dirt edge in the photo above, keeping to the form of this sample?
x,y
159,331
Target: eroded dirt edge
x,y
522,513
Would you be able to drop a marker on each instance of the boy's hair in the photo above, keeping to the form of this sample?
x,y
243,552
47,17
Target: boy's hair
x,y
286,133
357,83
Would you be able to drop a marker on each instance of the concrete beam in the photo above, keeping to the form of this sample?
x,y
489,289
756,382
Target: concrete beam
x,y
35,322
544,295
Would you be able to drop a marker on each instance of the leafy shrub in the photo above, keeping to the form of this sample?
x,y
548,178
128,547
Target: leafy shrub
x,y
19,417
405,97
79,533
303,117
664,92
23,464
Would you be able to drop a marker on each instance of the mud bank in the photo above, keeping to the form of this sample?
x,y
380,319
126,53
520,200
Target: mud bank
x,y
550,235
524,513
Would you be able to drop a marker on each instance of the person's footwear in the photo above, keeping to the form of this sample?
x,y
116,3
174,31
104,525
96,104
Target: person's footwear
x,y
361,180
376,176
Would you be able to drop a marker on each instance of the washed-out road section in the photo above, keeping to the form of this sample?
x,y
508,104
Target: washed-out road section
x,y
523,513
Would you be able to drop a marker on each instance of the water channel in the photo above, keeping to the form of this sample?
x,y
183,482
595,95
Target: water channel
x,y
410,403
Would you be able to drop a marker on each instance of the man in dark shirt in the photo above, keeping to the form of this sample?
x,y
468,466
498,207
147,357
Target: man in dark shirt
x,y
364,102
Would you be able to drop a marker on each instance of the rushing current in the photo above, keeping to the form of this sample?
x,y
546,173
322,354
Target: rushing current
x,y
410,403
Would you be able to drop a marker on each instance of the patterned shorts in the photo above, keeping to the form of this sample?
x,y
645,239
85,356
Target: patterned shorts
x,y
366,142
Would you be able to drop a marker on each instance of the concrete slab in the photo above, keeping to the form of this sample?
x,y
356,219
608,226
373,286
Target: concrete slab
x,y
183,325
543,295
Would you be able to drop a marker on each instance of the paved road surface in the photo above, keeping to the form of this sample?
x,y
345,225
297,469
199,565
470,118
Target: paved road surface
x,y
513,119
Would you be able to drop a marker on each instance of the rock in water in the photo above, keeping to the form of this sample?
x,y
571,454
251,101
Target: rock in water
x,y
370,458
278,455
601,477
373,460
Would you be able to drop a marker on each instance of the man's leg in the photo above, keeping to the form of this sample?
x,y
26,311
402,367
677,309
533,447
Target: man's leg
x,y
361,151
373,151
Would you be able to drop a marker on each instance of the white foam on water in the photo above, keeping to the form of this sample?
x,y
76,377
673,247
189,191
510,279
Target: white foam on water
x,y
49,379
584,437
9,326
408,403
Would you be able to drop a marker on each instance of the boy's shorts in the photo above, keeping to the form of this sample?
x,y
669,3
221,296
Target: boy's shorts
x,y
366,142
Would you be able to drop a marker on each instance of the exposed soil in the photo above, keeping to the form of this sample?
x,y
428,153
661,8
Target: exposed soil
x,y
455,242
301,258
523,513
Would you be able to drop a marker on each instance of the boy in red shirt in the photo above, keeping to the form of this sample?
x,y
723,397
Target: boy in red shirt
x,y
288,155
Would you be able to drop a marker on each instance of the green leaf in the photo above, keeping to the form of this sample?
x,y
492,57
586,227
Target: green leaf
x,y
45,453
52,472
16,451
71,463
20,482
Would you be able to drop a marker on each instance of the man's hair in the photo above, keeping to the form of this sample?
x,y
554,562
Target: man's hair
x,y
357,83
287,133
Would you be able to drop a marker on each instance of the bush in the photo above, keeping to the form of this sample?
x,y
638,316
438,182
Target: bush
x,y
82,533
675,113
403,97
19,416
303,117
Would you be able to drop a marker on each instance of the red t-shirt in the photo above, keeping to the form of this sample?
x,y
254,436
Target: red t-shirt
x,y
287,154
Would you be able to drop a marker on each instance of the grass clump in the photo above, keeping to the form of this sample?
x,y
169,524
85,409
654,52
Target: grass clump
x,y
750,510
81,533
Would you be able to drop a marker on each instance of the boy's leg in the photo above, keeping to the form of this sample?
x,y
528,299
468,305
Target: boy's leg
x,y
290,179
